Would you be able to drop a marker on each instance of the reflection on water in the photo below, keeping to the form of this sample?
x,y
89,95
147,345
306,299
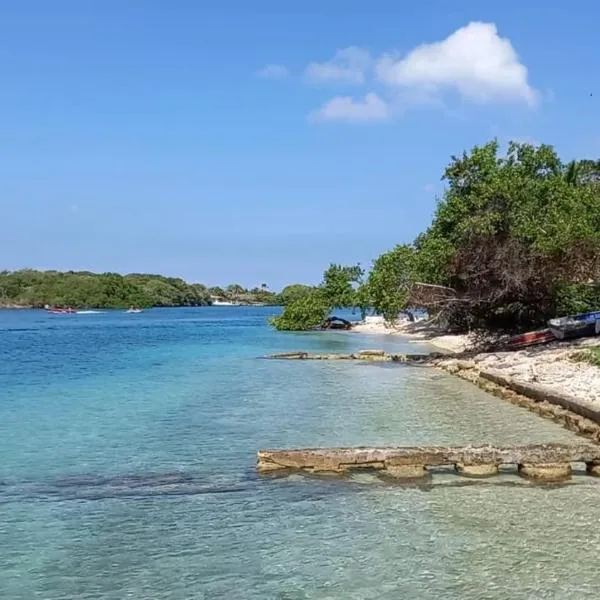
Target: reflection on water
x,y
127,471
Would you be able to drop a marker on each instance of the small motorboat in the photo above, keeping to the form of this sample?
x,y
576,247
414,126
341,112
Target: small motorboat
x,y
575,326
56,310
133,310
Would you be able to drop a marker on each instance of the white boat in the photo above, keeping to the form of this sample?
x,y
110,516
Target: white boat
x,y
135,310
575,326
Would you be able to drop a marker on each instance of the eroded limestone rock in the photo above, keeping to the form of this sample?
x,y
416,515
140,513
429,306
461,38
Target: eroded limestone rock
x,y
477,470
405,471
546,472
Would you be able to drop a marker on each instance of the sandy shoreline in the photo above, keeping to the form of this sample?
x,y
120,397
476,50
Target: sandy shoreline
x,y
550,365
418,331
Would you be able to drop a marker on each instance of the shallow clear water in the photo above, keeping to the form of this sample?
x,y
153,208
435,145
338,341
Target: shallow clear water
x,y
127,450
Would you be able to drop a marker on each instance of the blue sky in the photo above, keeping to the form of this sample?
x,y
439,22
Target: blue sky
x,y
254,143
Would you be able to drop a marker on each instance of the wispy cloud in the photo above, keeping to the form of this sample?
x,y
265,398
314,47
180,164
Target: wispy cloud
x,y
273,72
348,65
345,108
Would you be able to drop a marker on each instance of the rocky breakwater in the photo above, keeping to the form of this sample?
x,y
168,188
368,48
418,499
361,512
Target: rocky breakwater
x,y
541,462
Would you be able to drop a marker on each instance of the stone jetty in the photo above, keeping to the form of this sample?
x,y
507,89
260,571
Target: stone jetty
x,y
363,355
541,462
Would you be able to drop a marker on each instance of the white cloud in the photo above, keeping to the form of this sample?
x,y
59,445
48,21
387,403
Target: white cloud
x,y
474,60
273,72
347,66
345,108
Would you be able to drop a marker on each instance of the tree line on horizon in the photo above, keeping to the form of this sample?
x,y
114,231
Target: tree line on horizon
x,y
514,241
83,289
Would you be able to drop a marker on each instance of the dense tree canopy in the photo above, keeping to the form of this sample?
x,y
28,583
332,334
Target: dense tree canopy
x,y
515,240
106,290
517,237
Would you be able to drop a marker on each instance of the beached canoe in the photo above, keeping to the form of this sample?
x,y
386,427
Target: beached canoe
x,y
575,326
531,338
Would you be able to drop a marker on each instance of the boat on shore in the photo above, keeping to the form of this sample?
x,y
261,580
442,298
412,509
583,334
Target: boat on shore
x,y
531,338
575,326
336,323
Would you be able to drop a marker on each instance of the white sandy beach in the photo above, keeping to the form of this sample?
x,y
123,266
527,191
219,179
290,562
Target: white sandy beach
x,y
419,331
550,364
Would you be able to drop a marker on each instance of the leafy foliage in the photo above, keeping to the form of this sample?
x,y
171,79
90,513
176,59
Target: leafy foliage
x,y
390,280
293,292
339,285
309,308
304,313
525,228
517,237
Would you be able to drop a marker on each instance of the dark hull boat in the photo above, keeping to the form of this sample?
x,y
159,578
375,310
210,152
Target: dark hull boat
x,y
336,323
576,326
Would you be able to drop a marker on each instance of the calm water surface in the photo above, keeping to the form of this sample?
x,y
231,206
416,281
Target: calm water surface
x,y
127,449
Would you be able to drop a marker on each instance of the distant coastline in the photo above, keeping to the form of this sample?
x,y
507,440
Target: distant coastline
x,y
9,306
29,288
15,306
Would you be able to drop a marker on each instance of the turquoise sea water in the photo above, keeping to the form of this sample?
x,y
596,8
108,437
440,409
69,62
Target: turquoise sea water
x,y
127,452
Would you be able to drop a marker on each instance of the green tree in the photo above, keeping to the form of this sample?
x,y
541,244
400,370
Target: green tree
x,y
217,291
234,291
510,233
310,309
339,285
293,292
304,313
390,281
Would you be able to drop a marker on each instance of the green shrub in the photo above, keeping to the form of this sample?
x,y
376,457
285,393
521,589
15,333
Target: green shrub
x,y
305,313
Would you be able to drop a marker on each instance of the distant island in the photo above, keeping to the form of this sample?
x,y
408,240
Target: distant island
x,y
29,288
